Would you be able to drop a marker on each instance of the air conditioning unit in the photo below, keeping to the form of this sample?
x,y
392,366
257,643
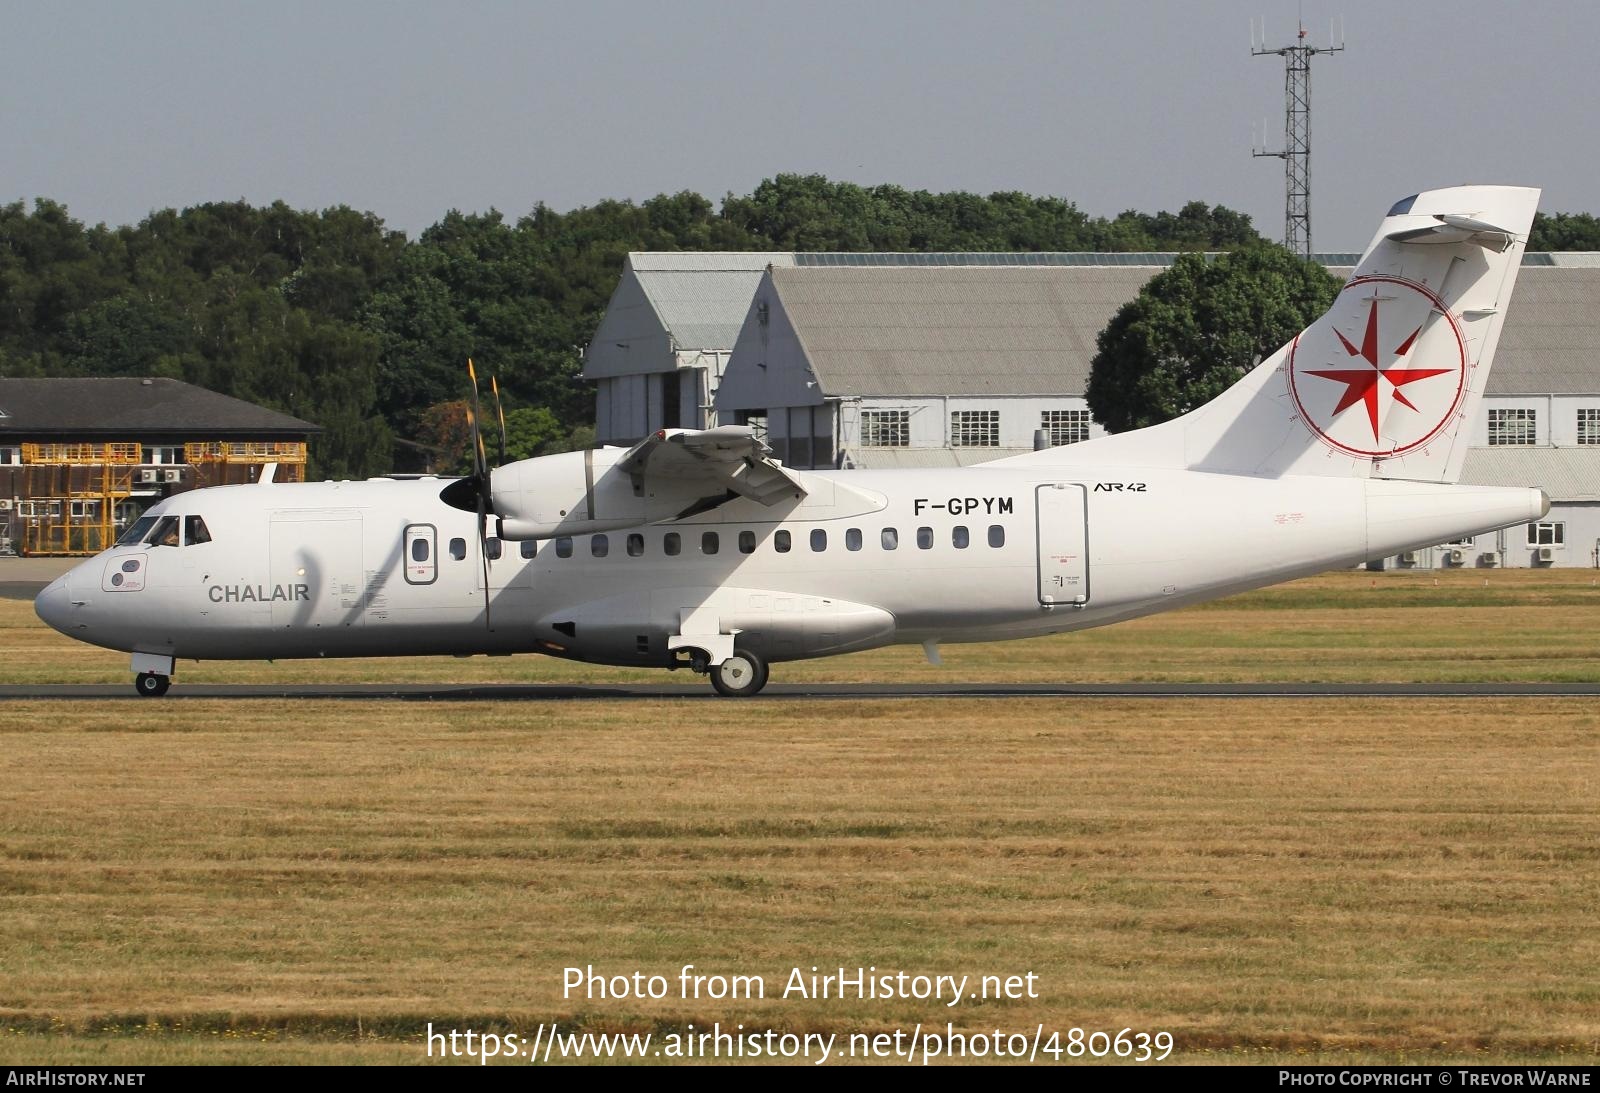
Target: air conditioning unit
x,y
1408,558
148,477
1455,557
1488,558
5,504
172,476
1547,554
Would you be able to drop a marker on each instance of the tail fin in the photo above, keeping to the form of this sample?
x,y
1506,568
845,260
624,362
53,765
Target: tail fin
x,y
1386,383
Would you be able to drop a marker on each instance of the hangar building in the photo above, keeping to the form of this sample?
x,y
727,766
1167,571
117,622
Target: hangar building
x,y
927,360
79,458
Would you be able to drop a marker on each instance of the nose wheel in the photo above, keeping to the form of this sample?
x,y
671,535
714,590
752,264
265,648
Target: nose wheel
x,y
151,685
740,676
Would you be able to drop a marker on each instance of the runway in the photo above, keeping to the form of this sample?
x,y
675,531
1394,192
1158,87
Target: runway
x,y
517,692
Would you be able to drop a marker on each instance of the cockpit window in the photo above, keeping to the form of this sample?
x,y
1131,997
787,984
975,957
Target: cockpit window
x,y
195,530
137,530
165,532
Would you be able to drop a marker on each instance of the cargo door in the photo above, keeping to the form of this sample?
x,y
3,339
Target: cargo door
x,y
1063,544
316,566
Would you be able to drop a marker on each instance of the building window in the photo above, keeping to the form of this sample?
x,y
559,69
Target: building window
x,y
1588,427
10,456
1512,427
885,428
1065,426
975,428
757,420
80,510
163,454
1547,534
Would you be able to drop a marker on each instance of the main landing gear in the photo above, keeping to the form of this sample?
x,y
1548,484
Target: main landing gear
x,y
151,685
740,676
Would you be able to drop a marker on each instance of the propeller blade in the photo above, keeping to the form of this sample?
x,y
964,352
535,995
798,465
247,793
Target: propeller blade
x,y
500,412
475,418
483,549
480,480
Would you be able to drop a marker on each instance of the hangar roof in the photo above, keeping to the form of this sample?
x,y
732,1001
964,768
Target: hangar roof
x,y
131,407
1566,474
880,327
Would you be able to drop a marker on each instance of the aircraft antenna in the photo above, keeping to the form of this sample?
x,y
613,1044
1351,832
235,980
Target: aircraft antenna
x,y
1296,151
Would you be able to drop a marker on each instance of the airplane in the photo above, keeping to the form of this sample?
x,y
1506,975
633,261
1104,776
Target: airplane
x,y
695,548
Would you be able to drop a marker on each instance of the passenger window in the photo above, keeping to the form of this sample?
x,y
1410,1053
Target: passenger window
x,y
599,546
708,543
924,538
671,544
493,549
780,542
819,540
419,550
458,549
747,542
997,535
959,537
165,533
528,548
635,545
195,531
564,547
852,539
890,538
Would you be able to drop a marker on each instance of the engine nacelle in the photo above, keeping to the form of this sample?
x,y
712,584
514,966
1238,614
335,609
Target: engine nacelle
x,y
576,493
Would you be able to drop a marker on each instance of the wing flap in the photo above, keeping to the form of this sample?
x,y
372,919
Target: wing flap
x,y
731,457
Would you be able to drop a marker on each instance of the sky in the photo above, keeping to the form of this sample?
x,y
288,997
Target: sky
x,y
410,109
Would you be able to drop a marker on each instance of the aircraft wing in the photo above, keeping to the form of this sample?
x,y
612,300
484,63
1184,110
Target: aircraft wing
x,y
731,457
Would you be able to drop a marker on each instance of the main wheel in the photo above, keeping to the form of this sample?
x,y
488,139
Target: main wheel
x,y
151,685
740,676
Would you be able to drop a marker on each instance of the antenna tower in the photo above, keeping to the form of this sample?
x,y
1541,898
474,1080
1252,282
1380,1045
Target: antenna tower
x,y
1296,152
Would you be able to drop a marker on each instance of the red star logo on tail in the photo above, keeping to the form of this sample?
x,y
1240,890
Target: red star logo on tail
x,y
1361,385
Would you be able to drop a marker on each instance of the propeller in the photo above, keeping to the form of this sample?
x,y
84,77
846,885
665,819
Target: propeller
x,y
480,476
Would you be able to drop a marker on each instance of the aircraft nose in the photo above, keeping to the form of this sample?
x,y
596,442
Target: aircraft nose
x,y
54,604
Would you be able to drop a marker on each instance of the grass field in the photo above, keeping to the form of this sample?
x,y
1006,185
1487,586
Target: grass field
x,y
1266,879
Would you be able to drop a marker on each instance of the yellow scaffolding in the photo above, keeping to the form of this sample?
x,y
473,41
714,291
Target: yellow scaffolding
x,y
80,521
77,514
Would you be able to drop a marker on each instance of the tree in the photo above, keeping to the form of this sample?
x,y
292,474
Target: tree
x,y
1197,327
1564,231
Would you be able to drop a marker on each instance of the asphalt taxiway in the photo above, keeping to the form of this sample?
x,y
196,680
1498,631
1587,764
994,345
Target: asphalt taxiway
x,y
521,692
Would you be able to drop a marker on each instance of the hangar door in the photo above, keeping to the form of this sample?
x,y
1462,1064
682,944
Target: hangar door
x,y
1063,544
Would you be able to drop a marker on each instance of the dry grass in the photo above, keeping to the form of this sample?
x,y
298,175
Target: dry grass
x,y
1265,879
1269,880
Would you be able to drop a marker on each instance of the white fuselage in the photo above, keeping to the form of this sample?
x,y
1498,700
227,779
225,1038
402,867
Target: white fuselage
x,y
871,559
